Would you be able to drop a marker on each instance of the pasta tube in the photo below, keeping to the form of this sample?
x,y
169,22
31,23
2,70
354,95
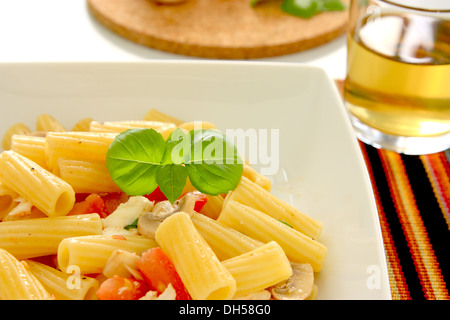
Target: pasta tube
x,y
88,146
261,180
82,125
31,147
197,125
64,286
213,206
48,123
18,128
259,269
199,268
17,283
258,225
39,237
90,253
86,176
47,192
165,128
253,195
156,115
223,240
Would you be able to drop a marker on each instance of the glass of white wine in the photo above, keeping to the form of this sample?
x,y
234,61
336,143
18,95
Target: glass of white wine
x,y
397,88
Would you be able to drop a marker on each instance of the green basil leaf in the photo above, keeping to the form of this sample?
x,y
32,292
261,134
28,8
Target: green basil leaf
x,y
213,179
214,166
132,225
178,148
331,5
301,8
171,180
133,159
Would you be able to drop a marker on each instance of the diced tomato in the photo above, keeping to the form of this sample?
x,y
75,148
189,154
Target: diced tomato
x,y
200,200
120,288
159,271
118,237
50,260
157,195
81,196
112,200
93,203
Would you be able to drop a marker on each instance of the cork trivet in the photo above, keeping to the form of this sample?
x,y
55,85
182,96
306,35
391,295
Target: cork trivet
x,y
219,29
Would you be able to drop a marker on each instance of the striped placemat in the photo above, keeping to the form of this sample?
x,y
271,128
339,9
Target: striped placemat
x,y
413,199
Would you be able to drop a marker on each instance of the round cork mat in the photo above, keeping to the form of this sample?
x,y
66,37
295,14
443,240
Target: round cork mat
x,y
219,29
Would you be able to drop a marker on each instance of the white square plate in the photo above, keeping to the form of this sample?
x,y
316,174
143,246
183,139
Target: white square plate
x,y
320,167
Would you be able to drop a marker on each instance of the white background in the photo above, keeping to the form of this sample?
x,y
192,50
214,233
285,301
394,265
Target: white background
x,y
64,30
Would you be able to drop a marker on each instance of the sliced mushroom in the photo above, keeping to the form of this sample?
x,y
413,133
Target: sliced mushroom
x,y
150,221
299,286
185,204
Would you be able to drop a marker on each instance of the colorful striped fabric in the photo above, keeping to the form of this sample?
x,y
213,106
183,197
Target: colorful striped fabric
x,y
413,199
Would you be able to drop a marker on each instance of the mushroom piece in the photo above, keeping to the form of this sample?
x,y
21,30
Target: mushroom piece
x,y
185,204
150,221
299,286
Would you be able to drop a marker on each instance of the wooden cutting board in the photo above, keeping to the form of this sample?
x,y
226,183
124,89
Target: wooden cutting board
x,y
219,29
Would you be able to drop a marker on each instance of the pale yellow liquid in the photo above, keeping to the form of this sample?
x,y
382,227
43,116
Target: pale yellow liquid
x,y
398,77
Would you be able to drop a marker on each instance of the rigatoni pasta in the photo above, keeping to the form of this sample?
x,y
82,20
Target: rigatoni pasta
x,y
64,286
86,176
226,242
31,147
46,191
39,237
90,146
202,273
59,204
48,123
82,125
197,125
250,173
90,253
260,226
156,115
17,283
213,206
18,128
258,269
165,128
255,196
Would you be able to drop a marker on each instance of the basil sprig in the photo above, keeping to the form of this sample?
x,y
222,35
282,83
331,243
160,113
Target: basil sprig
x,y
140,160
307,8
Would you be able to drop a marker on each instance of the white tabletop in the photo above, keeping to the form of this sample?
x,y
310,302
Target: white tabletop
x,y
64,31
